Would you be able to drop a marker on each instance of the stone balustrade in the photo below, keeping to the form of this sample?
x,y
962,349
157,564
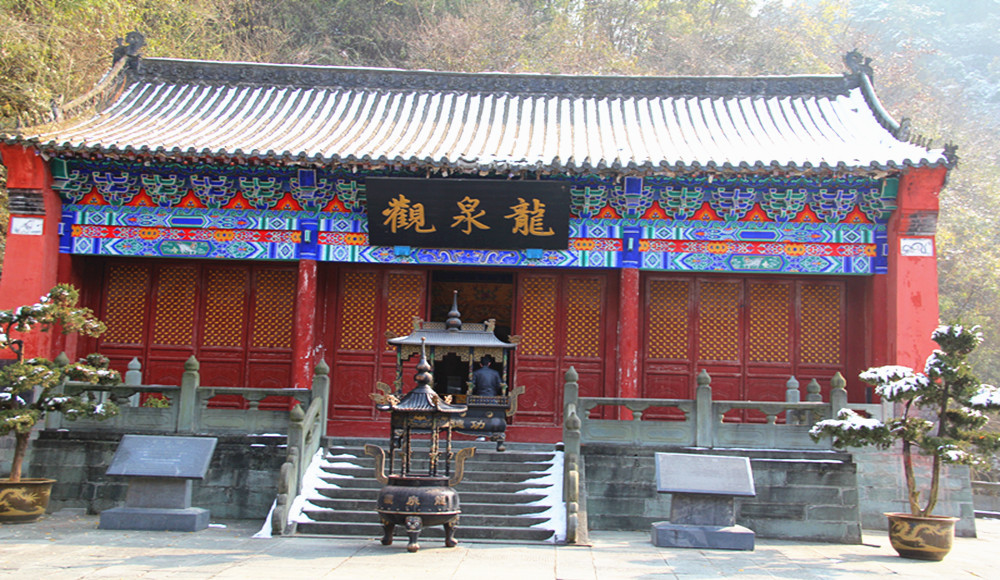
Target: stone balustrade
x,y
700,422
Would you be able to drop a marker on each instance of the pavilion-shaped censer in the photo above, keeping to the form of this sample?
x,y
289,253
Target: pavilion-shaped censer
x,y
418,482
487,411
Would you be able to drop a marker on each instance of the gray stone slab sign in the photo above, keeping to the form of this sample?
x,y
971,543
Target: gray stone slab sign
x,y
160,471
702,506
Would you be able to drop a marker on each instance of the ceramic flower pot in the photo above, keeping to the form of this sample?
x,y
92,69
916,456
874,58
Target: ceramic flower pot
x,y
24,501
921,538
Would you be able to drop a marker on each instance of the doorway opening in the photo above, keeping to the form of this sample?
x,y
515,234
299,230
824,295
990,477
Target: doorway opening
x,y
481,296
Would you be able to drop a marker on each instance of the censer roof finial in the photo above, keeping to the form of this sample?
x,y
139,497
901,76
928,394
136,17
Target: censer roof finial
x,y
454,321
424,376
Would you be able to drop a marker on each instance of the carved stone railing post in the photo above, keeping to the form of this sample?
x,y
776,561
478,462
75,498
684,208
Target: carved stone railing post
x,y
321,388
54,419
133,378
575,532
306,428
703,415
813,395
838,394
792,395
188,399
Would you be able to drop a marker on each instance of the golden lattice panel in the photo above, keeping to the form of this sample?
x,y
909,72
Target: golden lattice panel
x,y
125,304
820,332
406,300
358,324
224,307
719,321
668,319
175,303
274,309
538,309
769,325
583,318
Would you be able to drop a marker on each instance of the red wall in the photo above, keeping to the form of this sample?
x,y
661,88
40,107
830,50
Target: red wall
x,y
31,263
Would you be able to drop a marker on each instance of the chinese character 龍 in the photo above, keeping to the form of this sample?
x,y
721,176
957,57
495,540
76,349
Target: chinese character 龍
x,y
528,218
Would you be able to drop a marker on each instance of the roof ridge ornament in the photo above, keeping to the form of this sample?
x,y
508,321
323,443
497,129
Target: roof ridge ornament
x,y
859,64
133,44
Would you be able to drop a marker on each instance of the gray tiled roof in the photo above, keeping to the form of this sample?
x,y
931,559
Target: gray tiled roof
x,y
484,121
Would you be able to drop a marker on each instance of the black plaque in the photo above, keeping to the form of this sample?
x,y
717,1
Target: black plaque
x,y
467,213
159,456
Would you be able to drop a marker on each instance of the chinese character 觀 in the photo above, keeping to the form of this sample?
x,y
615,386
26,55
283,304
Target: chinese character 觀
x,y
401,215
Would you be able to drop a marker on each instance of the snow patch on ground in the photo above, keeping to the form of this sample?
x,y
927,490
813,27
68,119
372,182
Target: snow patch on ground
x,y
311,481
265,530
556,508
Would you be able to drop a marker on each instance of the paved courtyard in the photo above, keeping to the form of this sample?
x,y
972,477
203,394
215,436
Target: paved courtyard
x,y
68,545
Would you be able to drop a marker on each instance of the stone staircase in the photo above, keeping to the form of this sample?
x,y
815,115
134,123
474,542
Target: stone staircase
x,y
515,495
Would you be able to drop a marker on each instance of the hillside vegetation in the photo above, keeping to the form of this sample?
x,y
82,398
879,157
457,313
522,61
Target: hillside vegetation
x,y
936,61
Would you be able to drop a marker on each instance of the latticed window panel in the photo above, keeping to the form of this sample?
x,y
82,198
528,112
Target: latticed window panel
x,y
538,307
274,309
719,321
360,293
769,325
668,319
583,317
176,290
224,319
406,300
820,329
125,304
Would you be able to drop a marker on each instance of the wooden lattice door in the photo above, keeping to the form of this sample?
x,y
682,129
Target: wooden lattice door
x,y
371,304
236,319
751,335
563,321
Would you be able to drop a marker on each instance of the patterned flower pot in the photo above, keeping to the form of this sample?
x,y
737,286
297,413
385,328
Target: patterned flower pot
x,y
921,538
24,501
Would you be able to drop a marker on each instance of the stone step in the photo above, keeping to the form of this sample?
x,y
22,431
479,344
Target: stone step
x,y
500,509
481,455
467,518
462,532
496,495
473,471
466,496
465,486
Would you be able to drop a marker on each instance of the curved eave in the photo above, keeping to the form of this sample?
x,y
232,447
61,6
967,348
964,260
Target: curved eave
x,y
55,149
753,127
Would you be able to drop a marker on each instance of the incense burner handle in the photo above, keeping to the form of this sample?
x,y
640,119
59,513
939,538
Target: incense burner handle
x,y
460,458
379,454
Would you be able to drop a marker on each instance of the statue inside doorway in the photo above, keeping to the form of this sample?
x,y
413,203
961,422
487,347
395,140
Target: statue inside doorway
x,y
486,380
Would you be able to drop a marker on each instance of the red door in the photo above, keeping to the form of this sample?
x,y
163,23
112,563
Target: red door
x,y
750,334
236,319
370,304
563,320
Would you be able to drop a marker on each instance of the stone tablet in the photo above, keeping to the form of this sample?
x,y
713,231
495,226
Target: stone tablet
x,y
159,456
704,474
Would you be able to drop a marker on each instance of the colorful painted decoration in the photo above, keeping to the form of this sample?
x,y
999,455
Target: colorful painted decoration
x,y
828,225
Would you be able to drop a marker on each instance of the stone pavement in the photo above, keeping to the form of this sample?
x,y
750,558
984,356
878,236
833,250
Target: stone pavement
x,y
68,545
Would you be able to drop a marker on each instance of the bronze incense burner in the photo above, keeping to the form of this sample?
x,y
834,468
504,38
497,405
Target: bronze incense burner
x,y
420,493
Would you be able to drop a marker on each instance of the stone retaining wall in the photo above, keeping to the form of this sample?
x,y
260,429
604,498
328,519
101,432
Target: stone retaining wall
x,y
800,495
241,482
882,488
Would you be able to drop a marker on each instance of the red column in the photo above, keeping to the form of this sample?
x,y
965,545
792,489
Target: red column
x,y
910,288
304,339
628,333
31,258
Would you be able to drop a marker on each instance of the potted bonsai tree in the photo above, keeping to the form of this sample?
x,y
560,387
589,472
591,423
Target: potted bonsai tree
x,y
941,417
31,388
